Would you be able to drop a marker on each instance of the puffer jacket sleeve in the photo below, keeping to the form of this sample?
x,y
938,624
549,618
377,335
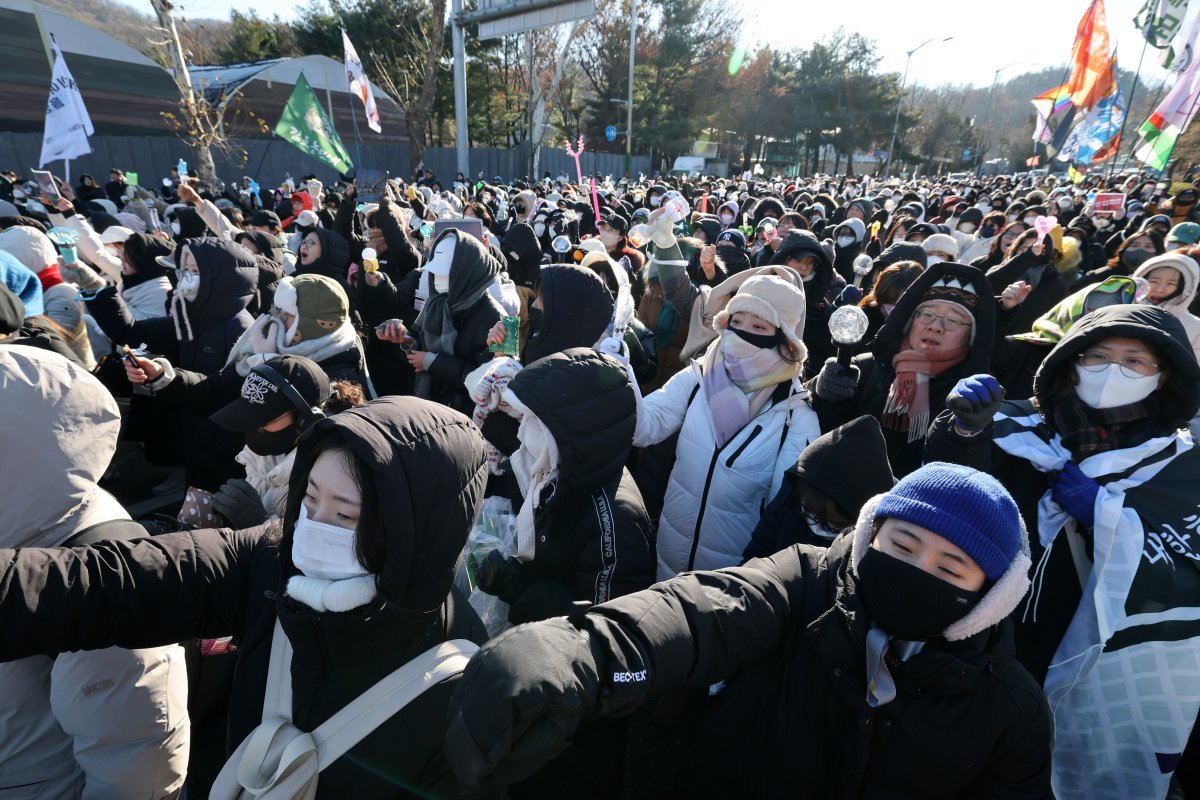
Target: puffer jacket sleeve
x,y
120,326
217,222
89,245
203,394
402,255
661,413
140,593
696,629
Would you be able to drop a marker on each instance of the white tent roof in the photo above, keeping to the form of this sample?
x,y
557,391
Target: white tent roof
x,y
75,37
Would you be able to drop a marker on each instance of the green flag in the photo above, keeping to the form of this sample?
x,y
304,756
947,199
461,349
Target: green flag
x,y
305,124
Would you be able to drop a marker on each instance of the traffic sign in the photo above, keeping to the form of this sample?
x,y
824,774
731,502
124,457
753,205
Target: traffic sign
x,y
610,133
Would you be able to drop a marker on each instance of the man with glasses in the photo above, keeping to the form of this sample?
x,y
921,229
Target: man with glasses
x,y
1104,471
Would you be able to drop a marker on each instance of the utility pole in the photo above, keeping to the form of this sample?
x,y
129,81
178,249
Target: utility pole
x,y
900,100
629,106
194,117
461,140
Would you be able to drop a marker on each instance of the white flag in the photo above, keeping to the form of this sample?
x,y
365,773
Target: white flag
x,y
359,85
68,125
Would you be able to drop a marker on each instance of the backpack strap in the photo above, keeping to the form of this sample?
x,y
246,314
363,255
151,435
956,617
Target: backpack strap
x,y
382,701
355,721
113,530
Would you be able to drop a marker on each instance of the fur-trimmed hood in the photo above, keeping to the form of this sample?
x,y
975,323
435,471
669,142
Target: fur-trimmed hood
x,y
999,601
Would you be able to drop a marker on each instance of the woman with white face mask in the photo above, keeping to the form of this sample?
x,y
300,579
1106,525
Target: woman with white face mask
x,y
1104,471
356,581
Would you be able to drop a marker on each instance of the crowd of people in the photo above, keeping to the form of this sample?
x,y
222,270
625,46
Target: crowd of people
x,y
794,487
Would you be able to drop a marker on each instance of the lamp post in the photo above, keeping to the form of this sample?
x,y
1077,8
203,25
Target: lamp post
x,y
900,100
987,116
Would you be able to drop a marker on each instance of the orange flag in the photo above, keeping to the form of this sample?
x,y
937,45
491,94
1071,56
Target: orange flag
x,y
1091,59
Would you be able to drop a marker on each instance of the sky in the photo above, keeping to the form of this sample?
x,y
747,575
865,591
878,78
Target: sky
x,y
983,40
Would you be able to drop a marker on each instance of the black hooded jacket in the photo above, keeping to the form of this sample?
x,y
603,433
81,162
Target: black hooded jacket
x,y
576,310
819,294
229,276
876,373
849,465
142,251
1171,408
191,226
428,468
593,533
1050,289
334,258
523,253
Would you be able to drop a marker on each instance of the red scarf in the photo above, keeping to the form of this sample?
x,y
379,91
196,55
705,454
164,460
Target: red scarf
x,y
907,406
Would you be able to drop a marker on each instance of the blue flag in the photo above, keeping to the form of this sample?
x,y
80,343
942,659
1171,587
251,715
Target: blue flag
x,y
1096,131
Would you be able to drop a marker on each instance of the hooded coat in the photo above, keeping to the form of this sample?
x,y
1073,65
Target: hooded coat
x,y
428,469
473,312
593,534
107,723
876,373
787,635
843,260
216,318
1050,288
820,292
1189,272
334,258
849,465
1038,635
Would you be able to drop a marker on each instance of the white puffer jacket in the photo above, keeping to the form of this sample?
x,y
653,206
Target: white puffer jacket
x,y
715,496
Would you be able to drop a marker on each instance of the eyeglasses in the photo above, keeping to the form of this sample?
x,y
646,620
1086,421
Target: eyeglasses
x,y
927,317
1131,367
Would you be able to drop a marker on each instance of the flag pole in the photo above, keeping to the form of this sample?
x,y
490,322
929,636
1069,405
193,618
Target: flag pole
x,y
357,137
1128,109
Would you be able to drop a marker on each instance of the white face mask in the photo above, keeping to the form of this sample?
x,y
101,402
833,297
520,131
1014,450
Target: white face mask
x,y
931,260
1029,221
441,283
727,219
609,238
1110,388
1011,217
967,227
443,255
324,551
175,228
655,201
819,528
188,285
845,241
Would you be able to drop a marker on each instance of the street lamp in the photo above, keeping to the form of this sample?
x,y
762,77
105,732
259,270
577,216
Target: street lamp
x,y
896,124
987,117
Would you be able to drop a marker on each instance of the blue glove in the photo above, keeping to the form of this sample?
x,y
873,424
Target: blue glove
x,y
1075,493
974,401
850,295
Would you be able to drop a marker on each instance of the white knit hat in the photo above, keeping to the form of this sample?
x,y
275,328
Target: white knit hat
x,y
941,243
773,299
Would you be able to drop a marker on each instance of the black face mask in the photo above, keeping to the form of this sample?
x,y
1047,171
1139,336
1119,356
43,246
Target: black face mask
x,y
759,340
535,320
272,443
987,231
907,601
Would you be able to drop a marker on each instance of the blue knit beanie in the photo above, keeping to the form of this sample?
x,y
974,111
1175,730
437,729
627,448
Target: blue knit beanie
x,y
964,506
23,282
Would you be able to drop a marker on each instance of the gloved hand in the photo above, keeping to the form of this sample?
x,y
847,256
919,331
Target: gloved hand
x,y
1075,493
974,401
237,502
836,383
519,703
88,279
503,576
264,342
850,295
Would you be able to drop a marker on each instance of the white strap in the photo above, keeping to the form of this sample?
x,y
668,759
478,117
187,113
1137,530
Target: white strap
x,y
382,701
277,702
1075,540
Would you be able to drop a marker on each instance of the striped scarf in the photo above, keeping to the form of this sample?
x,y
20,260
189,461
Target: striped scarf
x,y
907,406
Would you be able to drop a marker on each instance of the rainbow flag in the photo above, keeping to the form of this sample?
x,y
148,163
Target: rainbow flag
x,y
1170,119
1051,107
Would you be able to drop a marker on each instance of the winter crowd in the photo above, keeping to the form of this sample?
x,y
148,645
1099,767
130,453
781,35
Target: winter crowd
x,y
819,487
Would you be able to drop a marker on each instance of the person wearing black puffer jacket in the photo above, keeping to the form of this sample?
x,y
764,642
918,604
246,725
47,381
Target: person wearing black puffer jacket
x,y
324,252
801,252
869,669
939,331
216,282
582,517
396,484
1027,284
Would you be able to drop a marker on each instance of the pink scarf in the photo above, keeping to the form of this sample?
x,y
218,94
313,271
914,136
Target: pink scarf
x,y
739,379
907,406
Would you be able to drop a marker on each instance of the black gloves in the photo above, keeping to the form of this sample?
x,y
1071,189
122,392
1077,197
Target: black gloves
x,y
520,701
503,576
836,383
237,502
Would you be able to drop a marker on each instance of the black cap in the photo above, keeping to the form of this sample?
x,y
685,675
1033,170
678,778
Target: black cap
x,y
615,221
282,383
264,219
